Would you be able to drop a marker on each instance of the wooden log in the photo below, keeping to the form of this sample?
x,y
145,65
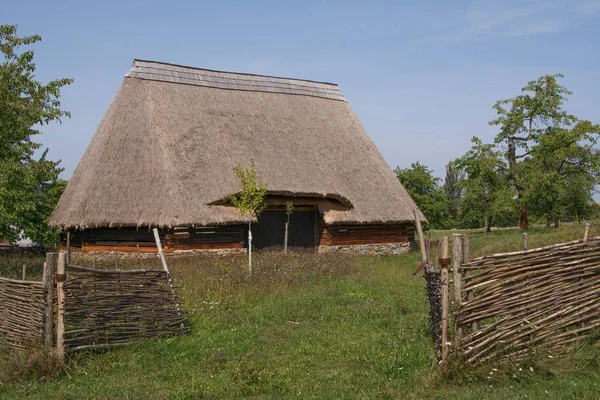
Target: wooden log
x,y
586,232
60,319
525,241
48,281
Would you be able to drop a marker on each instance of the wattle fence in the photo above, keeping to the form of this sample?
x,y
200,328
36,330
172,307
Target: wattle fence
x,y
76,308
510,306
22,313
111,308
513,303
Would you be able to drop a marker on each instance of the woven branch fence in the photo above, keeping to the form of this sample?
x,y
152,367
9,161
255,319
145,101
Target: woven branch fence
x,y
511,303
27,310
111,308
22,313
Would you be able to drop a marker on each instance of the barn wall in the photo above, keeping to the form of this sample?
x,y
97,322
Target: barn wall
x,y
142,240
366,239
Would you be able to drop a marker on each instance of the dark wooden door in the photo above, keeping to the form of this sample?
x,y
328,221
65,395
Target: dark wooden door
x,y
269,232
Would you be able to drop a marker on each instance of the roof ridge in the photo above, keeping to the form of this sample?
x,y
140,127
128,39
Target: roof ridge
x,y
233,73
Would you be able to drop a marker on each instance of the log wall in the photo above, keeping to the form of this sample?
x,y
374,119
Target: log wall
x,y
340,235
142,240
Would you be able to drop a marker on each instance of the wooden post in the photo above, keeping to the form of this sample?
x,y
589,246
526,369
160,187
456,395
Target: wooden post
x,y
586,232
424,256
60,319
24,272
466,249
160,250
458,255
525,241
458,260
48,281
444,339
444,261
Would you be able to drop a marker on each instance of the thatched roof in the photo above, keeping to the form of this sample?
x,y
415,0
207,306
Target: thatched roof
x,y
165,151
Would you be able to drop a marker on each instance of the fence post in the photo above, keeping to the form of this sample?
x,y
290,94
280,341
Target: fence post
x,y
586,232
424,255
444,315
60,318
48,281
466,249
458,260
525,241
458,255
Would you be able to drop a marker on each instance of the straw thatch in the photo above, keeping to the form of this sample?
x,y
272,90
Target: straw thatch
x,y
165,151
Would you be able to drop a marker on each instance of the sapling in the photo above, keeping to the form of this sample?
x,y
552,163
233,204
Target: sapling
x,y
250,201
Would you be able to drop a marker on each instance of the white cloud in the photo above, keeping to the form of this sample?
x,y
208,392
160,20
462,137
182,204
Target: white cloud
x,y
482,20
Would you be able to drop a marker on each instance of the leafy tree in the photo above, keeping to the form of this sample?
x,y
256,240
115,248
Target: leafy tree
x,y
487,195
250,201
453,188
29,185
545,147
425,190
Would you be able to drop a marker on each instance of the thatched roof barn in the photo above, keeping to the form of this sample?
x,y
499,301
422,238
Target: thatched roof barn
x,y
164,153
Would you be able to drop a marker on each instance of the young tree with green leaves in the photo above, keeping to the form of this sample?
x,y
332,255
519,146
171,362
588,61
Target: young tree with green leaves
x,y
29,184
425,190
250,201
545,146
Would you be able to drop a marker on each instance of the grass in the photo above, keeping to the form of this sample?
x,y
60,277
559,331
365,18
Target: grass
x,y
306,326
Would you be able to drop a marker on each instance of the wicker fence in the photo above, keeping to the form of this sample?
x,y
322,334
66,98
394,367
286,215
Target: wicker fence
x,y
509,304
110,308
22,313
86,308
26,310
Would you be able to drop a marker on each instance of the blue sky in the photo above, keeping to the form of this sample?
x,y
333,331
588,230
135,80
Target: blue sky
x,y
421,76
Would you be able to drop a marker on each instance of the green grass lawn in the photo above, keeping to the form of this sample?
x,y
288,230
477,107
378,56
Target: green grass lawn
x,y
322,327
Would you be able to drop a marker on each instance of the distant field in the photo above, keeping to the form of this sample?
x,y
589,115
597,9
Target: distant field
x,y
322,327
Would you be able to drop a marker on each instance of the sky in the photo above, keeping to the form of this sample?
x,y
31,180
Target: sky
x,y
421,76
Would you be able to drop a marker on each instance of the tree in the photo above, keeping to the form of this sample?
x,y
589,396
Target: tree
x,y
545,146
29,185
487,193
250,202
425,190
453,189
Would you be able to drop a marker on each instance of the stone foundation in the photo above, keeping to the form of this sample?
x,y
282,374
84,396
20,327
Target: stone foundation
x,y
371,249
122,255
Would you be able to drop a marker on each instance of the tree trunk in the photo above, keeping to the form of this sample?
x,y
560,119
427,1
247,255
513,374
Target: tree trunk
x,y
523,223
488,225
285,237
249,247
548,222
556,222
